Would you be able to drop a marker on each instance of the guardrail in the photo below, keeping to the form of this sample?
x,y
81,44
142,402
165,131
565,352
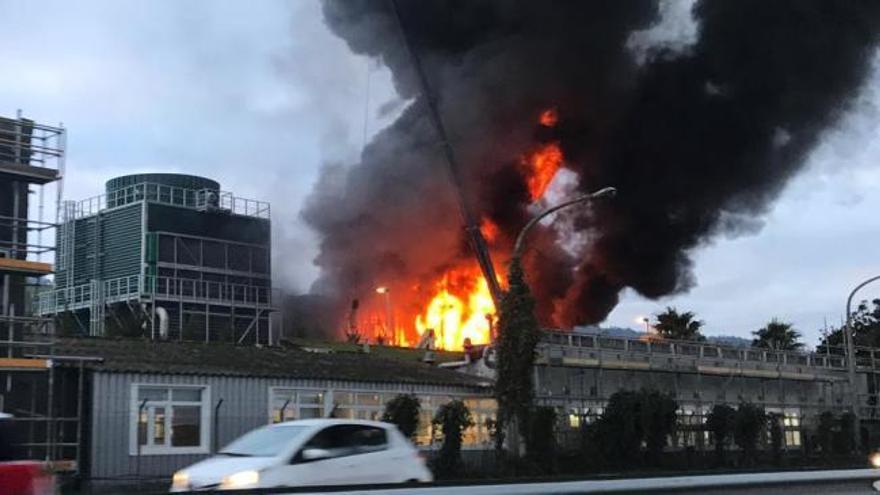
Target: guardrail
x,y
768,482
565,343
167,288
199,199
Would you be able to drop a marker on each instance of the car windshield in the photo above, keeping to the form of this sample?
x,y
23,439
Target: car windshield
x,y
268,441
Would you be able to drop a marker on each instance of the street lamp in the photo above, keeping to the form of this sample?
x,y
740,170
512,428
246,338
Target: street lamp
x,y
389,323
520,239
849,341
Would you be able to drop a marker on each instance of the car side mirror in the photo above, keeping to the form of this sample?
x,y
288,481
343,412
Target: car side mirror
x,y
315,454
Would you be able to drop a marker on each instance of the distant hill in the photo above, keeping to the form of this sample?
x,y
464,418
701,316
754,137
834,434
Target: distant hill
x,y
730,340
609,331
624,332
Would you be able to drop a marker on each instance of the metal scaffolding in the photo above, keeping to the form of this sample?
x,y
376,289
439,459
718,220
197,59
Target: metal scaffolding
x,y
32,158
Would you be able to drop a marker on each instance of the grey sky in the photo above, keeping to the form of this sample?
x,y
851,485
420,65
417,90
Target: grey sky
x,y
259,94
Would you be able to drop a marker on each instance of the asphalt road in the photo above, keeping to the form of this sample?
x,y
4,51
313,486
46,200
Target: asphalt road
x,y
838,488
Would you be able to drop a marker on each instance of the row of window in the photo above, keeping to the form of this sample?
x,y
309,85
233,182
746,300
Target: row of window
x,y
176,419
289,404
691,430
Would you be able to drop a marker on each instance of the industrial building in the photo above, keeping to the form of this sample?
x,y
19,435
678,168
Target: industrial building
x,y
166,256
577,373
152,407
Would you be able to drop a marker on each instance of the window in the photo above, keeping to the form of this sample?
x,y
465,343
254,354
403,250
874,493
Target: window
x,y
288,404
483,414
791,422
345,440
169,419
360,405
267,441
692,427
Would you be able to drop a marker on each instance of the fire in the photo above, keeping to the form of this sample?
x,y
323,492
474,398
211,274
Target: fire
x,y
460,309
540,166
459,304
549,118
489,229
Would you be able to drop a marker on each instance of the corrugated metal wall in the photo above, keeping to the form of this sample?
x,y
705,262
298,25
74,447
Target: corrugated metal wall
x,y
121,230
245,406
118,242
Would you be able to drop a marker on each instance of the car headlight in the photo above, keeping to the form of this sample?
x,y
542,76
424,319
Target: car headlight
x,y
180,480
875,459
243,479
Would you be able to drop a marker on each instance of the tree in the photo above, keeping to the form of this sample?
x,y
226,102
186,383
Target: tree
x,y
825,433
451,419
865,324
678,326
846,443
403,411
774,426
541,442
720,423
659,418
518,336
778,336
631,419
748,423
618,433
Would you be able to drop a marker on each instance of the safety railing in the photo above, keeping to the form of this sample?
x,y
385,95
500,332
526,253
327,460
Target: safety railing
x,y
221,292
579,345
25,142
199,199
135,286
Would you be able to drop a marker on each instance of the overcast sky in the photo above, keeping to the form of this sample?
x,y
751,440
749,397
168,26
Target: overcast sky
x,y
259,94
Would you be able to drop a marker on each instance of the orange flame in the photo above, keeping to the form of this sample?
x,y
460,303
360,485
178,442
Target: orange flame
x,y
461,306
459,309
489,229
540,166
549,118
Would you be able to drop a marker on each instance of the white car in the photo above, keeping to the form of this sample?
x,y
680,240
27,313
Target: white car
x,y
307,453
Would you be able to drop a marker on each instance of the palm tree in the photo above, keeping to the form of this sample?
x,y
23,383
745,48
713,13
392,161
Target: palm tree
x,y
678,326
778,336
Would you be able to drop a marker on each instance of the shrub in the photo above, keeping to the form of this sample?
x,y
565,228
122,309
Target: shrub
x,y
633,418
452,419
774,426
541,442
825,432
720,424
403,411
748,423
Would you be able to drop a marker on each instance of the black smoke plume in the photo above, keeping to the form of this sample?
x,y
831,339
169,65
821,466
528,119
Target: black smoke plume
x,y
697,142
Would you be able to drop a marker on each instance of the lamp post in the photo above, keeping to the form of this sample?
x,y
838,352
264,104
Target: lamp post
x,y
849,341
519,245
389,316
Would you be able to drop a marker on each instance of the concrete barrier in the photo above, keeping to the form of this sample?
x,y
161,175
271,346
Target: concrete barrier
x,y
635,485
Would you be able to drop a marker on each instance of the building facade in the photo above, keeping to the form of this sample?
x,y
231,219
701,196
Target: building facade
x,y
153,407
169,256
577,374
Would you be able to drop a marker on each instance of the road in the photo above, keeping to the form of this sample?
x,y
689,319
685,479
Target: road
x,y
836,488
844,482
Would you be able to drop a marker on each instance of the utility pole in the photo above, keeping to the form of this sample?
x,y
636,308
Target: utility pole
x,y
477,241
